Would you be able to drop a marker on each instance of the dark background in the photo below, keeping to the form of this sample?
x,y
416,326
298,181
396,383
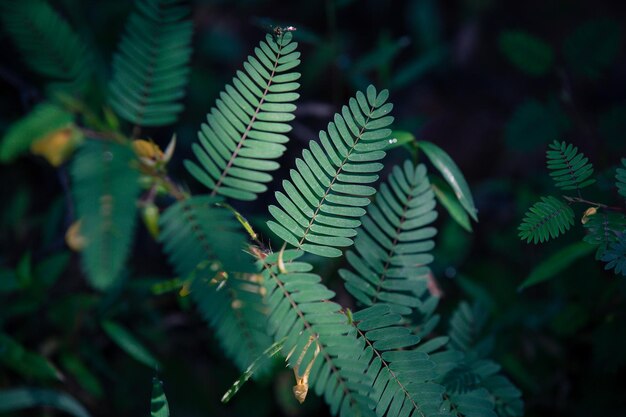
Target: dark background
x,y
562,342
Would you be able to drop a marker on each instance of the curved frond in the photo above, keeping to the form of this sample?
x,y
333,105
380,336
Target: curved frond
x,y
546,219
569,169
151,66
105,189
320,344
48,44
43,120
205,245
322,204
620,179
245,131
392,247
403,374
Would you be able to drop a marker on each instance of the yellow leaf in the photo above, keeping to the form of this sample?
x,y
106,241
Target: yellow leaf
x,y
57,146
148,150
588,213
74,239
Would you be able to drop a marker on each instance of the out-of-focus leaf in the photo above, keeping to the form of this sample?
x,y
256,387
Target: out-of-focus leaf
x,y
526,52
612,126
477,292
418,67
24,270
40,122
16,399
452,174
593,47
158,403
8,280
50,269
534,124
620,179
424,18
87,380
249,372
446,197
28,364
130,344
556,263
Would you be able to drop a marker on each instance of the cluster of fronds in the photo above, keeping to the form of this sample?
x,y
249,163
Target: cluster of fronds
x,y
552,216
381,360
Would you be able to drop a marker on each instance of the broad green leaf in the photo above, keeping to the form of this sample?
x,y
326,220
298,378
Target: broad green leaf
x,y
400,138
446,197
528,53
129,343
452,174
16,399
159,406
556,263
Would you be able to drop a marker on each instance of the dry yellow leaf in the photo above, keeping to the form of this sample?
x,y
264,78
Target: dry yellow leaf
x,y
56,147
588,213
74,239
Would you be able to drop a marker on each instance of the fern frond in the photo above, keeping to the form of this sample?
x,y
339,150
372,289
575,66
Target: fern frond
x,y
246,128
205,244
546,219
603,229
474,387
569,169
236,311
44,119
151,67
320,344
48,44
105,190
202,239
620,179
394,241
321,205
615,256
402,373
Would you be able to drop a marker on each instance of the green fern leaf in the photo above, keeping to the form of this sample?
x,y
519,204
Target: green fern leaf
x,y
569,169
546,219
151,67
393,244
246,128
603,229
474,386
620,179
615,256
202,242
403,376
321,205
158,403
105,191
45,118
318,337
48,44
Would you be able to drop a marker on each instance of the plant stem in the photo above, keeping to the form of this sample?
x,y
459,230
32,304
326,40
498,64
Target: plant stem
x,y
593,203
